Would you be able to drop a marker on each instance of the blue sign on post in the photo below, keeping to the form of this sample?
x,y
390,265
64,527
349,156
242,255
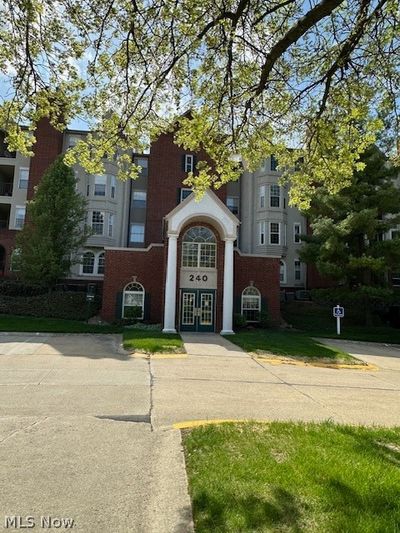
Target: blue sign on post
x,y
338,312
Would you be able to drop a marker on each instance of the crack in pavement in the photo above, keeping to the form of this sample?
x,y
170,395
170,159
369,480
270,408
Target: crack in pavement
x,y
23,429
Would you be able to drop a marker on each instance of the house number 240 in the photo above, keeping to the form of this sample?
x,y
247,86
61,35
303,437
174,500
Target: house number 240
x,y
192,277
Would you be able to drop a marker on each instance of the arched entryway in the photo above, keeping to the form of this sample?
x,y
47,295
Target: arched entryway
x,y
2,260
198,280
208,212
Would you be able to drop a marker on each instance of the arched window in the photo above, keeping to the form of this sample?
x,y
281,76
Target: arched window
x,y
282,272
88,263
251,304
199,248
100,263
133,301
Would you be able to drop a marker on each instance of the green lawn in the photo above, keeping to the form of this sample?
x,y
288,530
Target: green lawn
x,y
287,343
286,477
151,341
319,322
51,325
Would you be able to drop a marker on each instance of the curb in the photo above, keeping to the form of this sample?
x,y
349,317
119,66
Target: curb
x,y
337,366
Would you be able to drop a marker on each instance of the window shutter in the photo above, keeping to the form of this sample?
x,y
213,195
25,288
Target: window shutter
x,y
183,162
194,162
146,309
178,195
118,306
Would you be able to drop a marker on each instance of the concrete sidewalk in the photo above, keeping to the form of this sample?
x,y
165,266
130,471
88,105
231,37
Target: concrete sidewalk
x,y
210,344
77,440
228,384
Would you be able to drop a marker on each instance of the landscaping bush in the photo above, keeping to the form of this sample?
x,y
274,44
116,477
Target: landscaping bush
x,y
17,288
239,321
67,305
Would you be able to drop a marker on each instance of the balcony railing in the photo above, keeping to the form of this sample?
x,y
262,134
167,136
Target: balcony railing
x,y
6,189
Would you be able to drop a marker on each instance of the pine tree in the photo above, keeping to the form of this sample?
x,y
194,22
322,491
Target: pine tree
x,y
349,230
54,230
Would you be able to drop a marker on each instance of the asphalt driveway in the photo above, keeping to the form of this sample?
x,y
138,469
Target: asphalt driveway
x,y
76,440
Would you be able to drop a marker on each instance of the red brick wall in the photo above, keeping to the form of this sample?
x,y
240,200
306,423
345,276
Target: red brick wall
x,y
48,146
121,266
7,241
164,179
264,273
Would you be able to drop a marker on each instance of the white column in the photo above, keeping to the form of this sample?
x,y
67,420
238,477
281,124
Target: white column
x,y
170,286
227,305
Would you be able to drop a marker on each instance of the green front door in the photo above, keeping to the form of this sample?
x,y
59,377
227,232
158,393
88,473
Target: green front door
x,y
197,310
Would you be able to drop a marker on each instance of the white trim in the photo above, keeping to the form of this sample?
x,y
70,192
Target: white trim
x,y
96,255
189,163
279,234
142,293
127,249
296,224
258,296
242,254
284,280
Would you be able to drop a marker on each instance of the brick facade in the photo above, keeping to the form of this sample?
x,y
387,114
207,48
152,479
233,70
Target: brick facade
x,y
120,267
47,148
165,179
263,273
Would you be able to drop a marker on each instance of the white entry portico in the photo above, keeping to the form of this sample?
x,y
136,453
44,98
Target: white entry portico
x,y
211,210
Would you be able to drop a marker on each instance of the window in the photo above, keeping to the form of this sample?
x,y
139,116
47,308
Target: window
x,y
394,233
113,186
139,199
251,304
232,203
274,233
15,260
100,263
189,163
137,233
143,163
184,193
72,141
296,232
297,270
97,222
262,196
100,184
23,178
19,217
282,272
274,163
110,225
88,263
199,248
261,232
274,196
133,301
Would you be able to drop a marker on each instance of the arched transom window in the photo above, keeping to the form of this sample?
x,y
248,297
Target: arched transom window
x,y
199,248
133,301
251,304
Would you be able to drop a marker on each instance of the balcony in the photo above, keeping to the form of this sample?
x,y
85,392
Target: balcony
x,y
4,216
6,180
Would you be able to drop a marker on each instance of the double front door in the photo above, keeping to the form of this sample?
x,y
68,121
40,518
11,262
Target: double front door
x,y
197,310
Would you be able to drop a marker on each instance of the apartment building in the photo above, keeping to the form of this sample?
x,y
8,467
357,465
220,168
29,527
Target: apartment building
x,y
189,265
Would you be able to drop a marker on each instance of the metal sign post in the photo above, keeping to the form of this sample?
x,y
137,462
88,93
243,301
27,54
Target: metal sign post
x,y
338,312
